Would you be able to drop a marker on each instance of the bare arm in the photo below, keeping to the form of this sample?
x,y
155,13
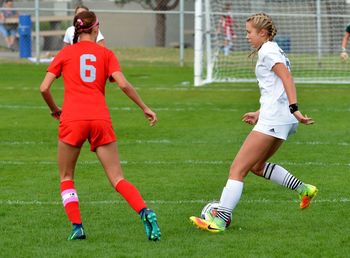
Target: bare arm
x,y
287,79
289,86
130,91
344,55
46,94
345,40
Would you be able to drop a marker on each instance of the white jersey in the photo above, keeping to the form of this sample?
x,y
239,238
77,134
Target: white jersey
x,y
68,37
274,105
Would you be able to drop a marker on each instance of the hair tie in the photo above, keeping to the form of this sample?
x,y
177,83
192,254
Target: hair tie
x,y
93,25
80,22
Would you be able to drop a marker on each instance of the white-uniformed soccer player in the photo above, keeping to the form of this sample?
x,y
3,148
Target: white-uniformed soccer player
x,y
276,119
69,35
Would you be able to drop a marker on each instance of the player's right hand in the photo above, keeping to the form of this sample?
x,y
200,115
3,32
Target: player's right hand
x,y
151,116
344,56
251,117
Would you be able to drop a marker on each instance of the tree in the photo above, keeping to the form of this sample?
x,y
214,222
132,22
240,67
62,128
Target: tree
x,y
156,5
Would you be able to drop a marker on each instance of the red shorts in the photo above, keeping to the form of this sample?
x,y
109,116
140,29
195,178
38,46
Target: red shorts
x,y
97,132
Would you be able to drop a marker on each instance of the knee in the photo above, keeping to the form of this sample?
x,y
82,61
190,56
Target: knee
x,y
237,173
258,169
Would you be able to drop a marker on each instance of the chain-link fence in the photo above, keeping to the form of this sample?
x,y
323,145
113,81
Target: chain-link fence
x,y
123,23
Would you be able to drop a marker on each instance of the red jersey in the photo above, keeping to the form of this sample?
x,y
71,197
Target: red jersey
x,y
85,67
226,23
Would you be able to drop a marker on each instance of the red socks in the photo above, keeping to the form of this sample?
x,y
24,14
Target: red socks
x,y
70,201
131,195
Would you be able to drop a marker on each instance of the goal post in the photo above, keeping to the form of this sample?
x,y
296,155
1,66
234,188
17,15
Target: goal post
x,y
309,31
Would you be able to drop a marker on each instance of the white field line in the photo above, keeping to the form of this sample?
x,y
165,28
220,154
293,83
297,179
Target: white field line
x,y
172,109
236,88
186,108
247,88
156,89
320,143
166,202
22,142
167,141
22,107
178,162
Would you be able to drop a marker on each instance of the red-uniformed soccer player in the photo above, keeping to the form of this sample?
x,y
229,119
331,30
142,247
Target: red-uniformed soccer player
x,y
85,67
225,28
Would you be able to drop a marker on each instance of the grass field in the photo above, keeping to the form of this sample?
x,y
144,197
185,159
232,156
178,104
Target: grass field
x,y
178,166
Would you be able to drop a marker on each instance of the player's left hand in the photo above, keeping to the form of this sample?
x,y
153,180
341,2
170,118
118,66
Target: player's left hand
x,y
303,119
151,116
56,114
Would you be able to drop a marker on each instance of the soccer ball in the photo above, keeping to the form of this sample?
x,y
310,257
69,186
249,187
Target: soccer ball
x,y
210,211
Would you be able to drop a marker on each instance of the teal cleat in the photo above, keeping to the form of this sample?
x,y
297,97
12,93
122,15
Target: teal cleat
x,y
149,220
78,233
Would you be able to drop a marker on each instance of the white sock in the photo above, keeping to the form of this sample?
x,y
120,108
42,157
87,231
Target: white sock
x,y
281,176
230,195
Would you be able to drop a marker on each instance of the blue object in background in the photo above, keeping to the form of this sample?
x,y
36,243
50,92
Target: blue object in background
x,y
25,36
284,43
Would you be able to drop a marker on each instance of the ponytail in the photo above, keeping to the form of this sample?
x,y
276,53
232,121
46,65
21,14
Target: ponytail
x,y
84,22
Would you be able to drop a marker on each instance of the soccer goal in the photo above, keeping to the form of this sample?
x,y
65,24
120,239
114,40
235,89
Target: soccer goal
x,y
309,31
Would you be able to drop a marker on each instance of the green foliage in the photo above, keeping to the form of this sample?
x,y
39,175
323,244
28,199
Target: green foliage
x,y
121,2
152,4
178,166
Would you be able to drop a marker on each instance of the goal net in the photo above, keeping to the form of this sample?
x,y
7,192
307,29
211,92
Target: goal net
x,y
309,31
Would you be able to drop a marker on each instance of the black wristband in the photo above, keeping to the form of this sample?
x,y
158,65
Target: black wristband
x,y
293,108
